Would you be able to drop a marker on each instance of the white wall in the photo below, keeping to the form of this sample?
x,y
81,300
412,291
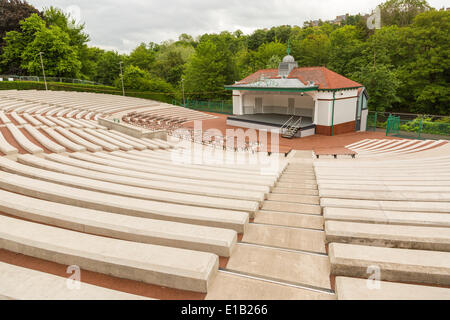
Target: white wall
x,y
279,102
345,110
237,106
364,115
324,114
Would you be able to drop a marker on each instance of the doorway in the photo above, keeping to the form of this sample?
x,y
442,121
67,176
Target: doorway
x,y
258,105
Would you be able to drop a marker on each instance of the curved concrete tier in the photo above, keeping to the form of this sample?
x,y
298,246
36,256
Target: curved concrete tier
x,y
23,141
46,142
164,266
228,219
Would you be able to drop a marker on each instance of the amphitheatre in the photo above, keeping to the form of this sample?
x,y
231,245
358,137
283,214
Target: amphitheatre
x,y
91,181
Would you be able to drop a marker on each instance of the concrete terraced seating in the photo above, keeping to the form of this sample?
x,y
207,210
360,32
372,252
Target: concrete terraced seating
x,y
95,140
172,170
3,118
362,289
129,191
33,121
112,141
42,139
139,182
166,233
398,265
5,147
390,215
157,177
78,140
235,220
23,141
405,218
163,266
63,141
384,235
144,157
25,284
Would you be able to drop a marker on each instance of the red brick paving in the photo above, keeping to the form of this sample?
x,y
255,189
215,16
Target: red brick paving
x,y
318,142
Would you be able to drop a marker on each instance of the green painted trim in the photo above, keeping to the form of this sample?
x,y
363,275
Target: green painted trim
x,y
332,114
273,89
340,89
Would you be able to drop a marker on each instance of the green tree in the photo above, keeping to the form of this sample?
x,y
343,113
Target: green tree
x,y
143,57
314,50
346,44
171,60
402,12
381,84
424,72
108,68
23,48
11,13
206,73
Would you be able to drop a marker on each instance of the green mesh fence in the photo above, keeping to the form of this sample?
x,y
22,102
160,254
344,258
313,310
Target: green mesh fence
x,y
224,107
412,126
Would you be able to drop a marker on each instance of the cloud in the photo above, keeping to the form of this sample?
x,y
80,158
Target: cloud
x,y
122,25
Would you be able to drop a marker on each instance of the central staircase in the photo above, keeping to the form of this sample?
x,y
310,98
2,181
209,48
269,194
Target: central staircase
x,y
291,127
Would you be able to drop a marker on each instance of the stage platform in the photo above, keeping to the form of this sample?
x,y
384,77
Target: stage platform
x,y
271,121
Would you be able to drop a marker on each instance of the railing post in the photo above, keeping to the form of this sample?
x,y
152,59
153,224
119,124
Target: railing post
x,y
420,127
375,121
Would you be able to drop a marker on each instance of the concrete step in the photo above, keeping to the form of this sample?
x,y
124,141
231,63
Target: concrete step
x,y
393,236
398,265
285,237
307,192
299,180
281,265
294,220
163,266
411,206
361,289
229,286
299,185
291,207
19,283
294,198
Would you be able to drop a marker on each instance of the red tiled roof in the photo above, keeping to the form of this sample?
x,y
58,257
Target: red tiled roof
x,y
326,78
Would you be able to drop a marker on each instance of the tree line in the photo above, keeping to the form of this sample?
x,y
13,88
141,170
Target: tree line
x,y
404,65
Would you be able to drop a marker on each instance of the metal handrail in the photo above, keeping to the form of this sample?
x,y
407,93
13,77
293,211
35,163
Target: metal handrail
x,y
286,124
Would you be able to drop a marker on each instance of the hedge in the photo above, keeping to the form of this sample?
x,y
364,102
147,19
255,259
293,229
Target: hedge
x,y
57,86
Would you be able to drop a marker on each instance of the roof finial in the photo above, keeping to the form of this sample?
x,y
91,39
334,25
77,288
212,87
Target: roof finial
x,y
289,47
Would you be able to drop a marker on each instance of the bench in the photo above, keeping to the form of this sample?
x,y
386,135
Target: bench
x,y
163,266
220,218
384,235
129,191
334,152
23,141
25,284
398,265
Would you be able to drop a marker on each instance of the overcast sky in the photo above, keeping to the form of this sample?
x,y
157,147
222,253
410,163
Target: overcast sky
x,y
122,24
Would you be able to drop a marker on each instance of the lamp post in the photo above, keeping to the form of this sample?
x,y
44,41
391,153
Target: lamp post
x,y
43,70
182,85
121,77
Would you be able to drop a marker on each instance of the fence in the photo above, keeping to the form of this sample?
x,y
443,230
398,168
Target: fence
x,y
224,107
412,126
49,79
